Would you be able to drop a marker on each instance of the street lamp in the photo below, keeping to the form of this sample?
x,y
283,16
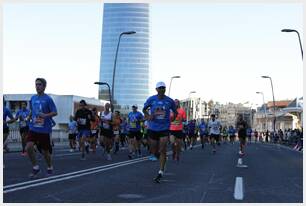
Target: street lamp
x,y
274,121
110,96
292,30
114,70
174,77
263,100
191,92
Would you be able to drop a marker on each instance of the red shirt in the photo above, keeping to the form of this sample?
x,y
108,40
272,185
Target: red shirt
x,y
177,124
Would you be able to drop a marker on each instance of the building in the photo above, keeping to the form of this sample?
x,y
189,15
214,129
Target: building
x,y
288,115
132,75
66,106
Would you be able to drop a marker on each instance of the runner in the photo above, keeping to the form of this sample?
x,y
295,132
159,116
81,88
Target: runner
x,y
256,135
42,110
83,116
6,114
134,133
249,134
106,131
72,133
203,132
159,123
116,130
192,133
241,126
224,134
232,134
176,131
94,128
214,132
123,132
23,115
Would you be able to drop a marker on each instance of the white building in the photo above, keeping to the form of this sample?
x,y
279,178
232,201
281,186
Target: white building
x,y
66,105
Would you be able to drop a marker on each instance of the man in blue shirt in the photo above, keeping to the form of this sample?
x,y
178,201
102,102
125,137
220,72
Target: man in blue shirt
x,y
203,132
6,114
134,133
159,120
23,116
42,110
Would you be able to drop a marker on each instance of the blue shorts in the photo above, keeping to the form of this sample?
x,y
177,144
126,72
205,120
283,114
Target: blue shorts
x,y
83,133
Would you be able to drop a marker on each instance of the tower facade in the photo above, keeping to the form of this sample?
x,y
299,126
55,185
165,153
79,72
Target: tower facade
x,y
132,72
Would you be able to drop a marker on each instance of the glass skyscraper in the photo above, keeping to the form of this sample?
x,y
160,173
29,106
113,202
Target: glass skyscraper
x,y
131,85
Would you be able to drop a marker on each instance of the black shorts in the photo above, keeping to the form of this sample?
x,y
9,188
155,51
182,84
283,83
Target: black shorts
x,y
136,134
24,130
42,140
203,135
72,136
215,136
178,134
156,135
107,133
94,133
232,136
193,135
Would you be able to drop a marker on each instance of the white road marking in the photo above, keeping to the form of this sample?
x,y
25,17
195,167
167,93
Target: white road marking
x,y
72,174
238,193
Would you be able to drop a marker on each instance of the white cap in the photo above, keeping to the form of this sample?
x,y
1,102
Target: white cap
x,y
160,84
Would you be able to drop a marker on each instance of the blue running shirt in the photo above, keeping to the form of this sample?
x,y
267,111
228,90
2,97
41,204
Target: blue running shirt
x,y
160,108
44,104
134,119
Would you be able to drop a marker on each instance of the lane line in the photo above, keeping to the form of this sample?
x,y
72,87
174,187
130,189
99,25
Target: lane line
x,y
238,193
72,173
70,177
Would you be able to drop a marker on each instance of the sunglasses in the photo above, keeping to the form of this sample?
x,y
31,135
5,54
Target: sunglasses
x,y
161,88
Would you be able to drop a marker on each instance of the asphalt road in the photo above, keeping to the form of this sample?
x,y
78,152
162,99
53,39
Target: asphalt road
x,y
266,174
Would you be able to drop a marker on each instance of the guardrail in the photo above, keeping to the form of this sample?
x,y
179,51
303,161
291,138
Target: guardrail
x,y
57,136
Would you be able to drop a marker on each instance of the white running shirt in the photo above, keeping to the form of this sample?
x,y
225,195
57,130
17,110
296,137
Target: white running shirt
x,y
214,127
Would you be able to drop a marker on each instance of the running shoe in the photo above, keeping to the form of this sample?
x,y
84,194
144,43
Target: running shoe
x,y
24,154
241,153
152,158
202,146
158,178
71,150
34,173
49,172
108,157
214,151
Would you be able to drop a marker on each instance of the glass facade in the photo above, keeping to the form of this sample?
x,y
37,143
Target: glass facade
x,y
131,85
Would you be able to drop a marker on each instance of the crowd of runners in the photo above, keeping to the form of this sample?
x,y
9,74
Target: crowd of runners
x,y
162,124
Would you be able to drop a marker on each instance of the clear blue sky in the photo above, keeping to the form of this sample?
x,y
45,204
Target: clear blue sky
x,y
219,50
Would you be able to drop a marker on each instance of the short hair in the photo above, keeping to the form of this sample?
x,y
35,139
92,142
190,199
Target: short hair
x,y
83,102
42,80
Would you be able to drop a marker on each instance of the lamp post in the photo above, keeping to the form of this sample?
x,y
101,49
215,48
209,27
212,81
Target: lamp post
x,y
274,120
110,96
174,77
191,92
114,70
265,109
292,30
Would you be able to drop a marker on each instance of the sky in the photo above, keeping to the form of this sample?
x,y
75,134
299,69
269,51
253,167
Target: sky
x,y
219,50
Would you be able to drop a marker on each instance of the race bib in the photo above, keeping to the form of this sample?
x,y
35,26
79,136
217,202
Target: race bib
x,y
39,122
93,131
133,125
160,113
116,132
23,124
82,121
